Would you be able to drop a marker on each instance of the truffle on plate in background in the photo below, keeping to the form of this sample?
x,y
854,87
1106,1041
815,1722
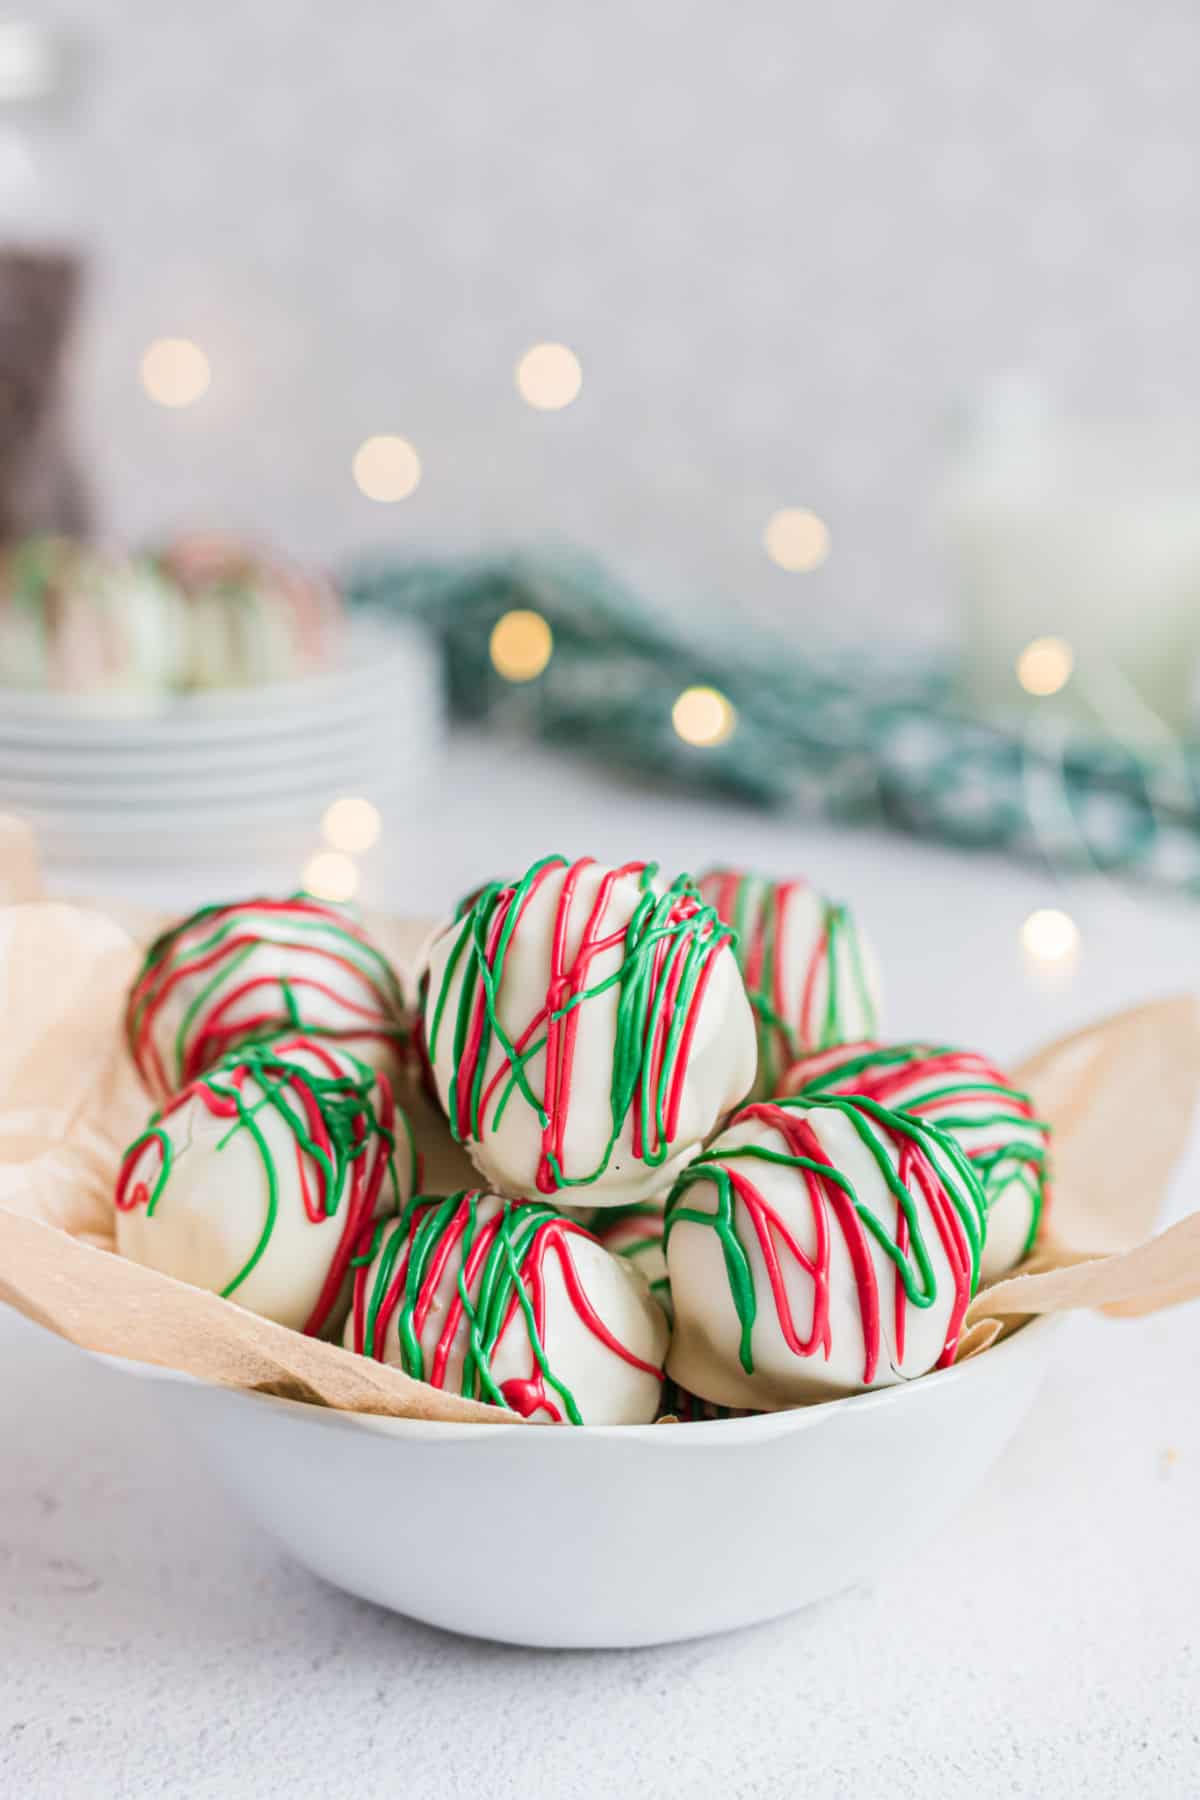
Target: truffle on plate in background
x,y
89,622
254,617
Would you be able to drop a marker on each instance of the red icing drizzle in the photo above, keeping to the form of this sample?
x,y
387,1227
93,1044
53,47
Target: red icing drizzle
x,y
915,1171
892,1085
212,1034
829,1200
560,1017
221,1094
930,1082
544,1236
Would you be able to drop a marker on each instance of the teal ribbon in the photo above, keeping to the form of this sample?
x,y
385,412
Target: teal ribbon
x,y
873,737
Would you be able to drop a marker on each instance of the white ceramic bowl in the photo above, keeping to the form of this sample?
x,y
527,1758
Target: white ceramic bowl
x,y
618,1535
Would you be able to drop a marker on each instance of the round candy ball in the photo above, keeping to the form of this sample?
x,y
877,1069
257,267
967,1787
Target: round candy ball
x,y
89,622
962,1093
253,617
587,1028
256,1181
636,1233
810,971
508,1301
817,1248
237,973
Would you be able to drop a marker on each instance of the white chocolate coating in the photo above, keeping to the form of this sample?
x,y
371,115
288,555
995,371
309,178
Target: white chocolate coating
x,y
87,621
694,1058
254,617
1010,1214
196,1198
825,1320
601,1335
811,972
637,1235
235,973
961,1092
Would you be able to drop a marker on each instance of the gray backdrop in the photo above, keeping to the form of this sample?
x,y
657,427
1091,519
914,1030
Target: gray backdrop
x,y
786,241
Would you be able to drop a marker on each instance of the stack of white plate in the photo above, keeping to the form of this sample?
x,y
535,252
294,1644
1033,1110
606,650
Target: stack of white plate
x,y
244,774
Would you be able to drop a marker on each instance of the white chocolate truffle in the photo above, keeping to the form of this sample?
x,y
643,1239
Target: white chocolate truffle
x,y
810,971
257,1180
587,1028
963,1093
241,972
509,1302
818,1248
254,617
90,622
636,1233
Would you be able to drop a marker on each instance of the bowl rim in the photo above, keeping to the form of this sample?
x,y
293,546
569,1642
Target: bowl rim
x,y
1032,1334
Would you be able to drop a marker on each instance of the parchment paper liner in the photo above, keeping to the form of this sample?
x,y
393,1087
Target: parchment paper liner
x,y
1120,1095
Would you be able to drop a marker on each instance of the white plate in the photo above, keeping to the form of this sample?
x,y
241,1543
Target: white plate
x,y
613,1536
124,767
218,777
379,653
225,836
126,752
309,795
203,780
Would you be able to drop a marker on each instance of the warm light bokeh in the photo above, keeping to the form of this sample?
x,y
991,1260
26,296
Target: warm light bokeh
x,y
1044,666
1050,935
387,468
704,717
330,875
549,377
521,645
352,824
175,372
796,539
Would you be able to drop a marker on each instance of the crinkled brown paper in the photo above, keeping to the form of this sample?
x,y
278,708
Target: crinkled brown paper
x,y
1119,1095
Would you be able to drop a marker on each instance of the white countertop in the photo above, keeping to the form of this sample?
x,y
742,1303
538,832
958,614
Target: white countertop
x,y
152,1642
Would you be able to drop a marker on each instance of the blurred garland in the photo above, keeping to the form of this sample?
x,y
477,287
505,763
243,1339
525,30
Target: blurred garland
x,y
863,738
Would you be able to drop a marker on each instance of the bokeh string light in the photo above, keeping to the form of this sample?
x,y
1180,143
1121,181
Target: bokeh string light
x,y
521,645
386,468
352,825
330,875
1050,935
175,372
796,539
702,716
549,377
1045,665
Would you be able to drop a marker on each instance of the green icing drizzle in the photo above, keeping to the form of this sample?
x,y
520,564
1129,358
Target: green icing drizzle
x,y
880,1130
668,947
331,1119
758,910
936,1082
500,1284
